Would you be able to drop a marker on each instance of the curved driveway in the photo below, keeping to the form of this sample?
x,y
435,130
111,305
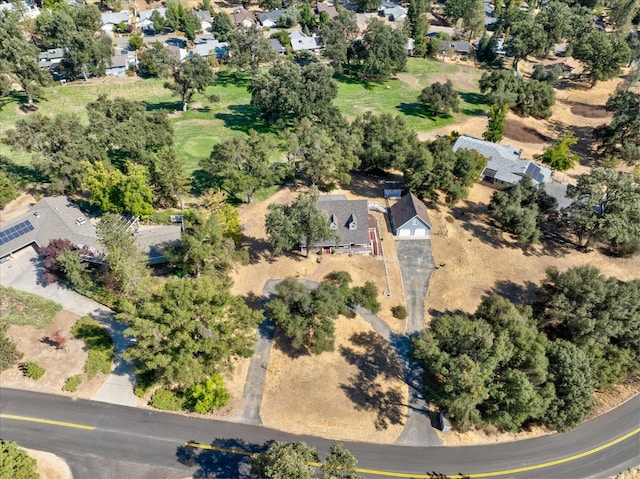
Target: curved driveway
x,y
138,436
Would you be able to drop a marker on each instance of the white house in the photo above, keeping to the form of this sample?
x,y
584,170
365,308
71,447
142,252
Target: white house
x,y
301,42
206,21
210,48
111,19
393,11
28,9
270,19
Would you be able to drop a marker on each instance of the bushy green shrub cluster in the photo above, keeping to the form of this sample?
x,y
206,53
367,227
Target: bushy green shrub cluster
x,y
33,370
72,383
99,343
399,312
167,400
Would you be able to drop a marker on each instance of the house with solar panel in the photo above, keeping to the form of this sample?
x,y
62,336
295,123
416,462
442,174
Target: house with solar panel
x,y
504,167
56,217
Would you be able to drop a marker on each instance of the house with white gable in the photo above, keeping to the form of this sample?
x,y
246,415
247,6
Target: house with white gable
x,y
111,19
301,42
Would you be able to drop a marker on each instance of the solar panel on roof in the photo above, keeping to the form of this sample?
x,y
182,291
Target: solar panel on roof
x,y
15,231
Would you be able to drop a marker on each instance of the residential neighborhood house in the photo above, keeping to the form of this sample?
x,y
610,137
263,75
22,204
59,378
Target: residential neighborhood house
x,y
277,47
456,47
409,218
330,10
56,217
212,48
144,18
350,219
205,19
242,16
302,42
504,165
393,11
111,19
270,19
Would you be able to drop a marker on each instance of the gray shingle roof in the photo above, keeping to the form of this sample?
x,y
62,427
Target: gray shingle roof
x,y
504,162
55,217
344,212
274,16
407,208
276,46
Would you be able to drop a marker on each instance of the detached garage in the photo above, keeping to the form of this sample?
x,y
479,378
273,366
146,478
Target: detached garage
x,y
409,218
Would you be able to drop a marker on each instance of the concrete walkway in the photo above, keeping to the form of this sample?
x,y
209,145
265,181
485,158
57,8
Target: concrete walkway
x,y
23,273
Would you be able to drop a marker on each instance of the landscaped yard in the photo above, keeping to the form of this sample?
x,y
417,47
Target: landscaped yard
x,y
19,308
211,120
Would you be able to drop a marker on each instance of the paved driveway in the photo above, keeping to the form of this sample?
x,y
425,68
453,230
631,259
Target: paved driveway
x,y
416,266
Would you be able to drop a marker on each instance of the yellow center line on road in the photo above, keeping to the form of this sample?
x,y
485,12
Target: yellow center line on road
x,y
47,421
455,476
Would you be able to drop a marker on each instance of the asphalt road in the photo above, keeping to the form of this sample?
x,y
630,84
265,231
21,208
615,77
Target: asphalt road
x,y
126,438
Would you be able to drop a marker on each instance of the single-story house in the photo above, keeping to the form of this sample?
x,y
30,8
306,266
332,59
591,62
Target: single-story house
x,y
330,10
458,47
504,165
242,16
51,58
205,19
489,19
144,18
111,19
120,62
350,219
56,217
393,189
212,48
270,19
393,11
176,51
409,218
302,42
277,47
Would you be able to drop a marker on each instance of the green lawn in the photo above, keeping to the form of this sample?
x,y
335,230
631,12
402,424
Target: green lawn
x,y
17,307
213,120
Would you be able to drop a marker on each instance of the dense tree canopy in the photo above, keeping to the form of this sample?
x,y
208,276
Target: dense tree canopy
x,y
338,33
16,463
497,120
380,53
290,92
285,460
620,139
440,99
188,330
248,47
606,207
603,54
19,57
155,60
526,98
520,209
558,155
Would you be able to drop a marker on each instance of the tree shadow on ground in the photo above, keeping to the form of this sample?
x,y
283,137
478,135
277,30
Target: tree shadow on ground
x,y
283,343
370,184
585,147
415,109
226,78
229,458
259,249
474,98
377,363
254,301
525,293
473,219
169,106
244,118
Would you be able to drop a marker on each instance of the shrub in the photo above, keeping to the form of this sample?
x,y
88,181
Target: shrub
x,y
33,370
366,296
16,463
72,383
98,342
167,400
96,362
9,353
399,312
144,382
207,395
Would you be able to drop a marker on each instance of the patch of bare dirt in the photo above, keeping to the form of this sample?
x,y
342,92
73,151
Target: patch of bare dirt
x,y
355,393
410,80
50,466
59,364
519,131
589,111
17,207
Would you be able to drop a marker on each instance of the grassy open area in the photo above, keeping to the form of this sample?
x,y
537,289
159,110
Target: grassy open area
x,y
210,120
17,307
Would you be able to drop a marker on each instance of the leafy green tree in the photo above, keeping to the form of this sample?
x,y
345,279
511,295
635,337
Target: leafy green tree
x,y
416,26
157,20
190,25
127,265
248,47
58,146
301,223
9,353
241,165
487,368
289,91
440,99
16,463
386,141
570,374
536,100
368,5
366,296
308,19
621,137
75,270
559,156
525,98
19,57
117,192
520,208
502,87
188,330
599,315
606,205
340,463
136,41
221,26
206,245
555,18
156,61
87,54
8,190
380,53
193,75
285,461
338,33
207,395
486,49
174,14
497,120
603,54
622,14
